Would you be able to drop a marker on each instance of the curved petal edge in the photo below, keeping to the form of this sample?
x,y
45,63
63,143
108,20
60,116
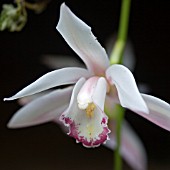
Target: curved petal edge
x,y
159,111
127,90
79,37
52,79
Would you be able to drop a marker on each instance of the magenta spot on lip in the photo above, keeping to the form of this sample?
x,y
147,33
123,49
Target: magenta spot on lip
x,y
94,143
65,120
104,120
68,120
103,136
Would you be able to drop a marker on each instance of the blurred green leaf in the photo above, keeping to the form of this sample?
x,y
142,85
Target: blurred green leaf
x,y
13,18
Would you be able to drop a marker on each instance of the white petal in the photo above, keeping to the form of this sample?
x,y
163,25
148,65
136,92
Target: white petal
x,y
43,109
52,79
128,92
100,93
159,111
28,99
79,37
60,61
132,150
89,129
74,95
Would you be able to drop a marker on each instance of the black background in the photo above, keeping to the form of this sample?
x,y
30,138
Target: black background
x,y
46,146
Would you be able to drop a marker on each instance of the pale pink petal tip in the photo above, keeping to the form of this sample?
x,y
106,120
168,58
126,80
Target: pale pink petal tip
x,y
159,111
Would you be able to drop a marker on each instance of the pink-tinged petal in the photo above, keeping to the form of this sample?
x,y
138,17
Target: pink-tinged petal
x,y
79,37
41,110
132,150
60,61
93,91
159,111
52,79
85,94
88,126
99,94
127,90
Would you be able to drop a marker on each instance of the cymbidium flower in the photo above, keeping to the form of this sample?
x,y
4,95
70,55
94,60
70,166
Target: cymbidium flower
x,y
81,107
132,149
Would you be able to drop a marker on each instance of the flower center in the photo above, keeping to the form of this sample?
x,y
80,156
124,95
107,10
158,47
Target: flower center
x,y
90,110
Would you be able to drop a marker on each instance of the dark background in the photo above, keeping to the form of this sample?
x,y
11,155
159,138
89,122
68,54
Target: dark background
x,y
46,146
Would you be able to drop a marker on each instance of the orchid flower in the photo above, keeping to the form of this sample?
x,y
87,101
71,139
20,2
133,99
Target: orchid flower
x,y
132,149
81,108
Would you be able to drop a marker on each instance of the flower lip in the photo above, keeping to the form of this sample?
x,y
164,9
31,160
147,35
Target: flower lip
x,y
93,134
91,142
87,125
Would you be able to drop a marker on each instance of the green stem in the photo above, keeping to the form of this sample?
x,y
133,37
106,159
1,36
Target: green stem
x,y
116,58
117,52
119,121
